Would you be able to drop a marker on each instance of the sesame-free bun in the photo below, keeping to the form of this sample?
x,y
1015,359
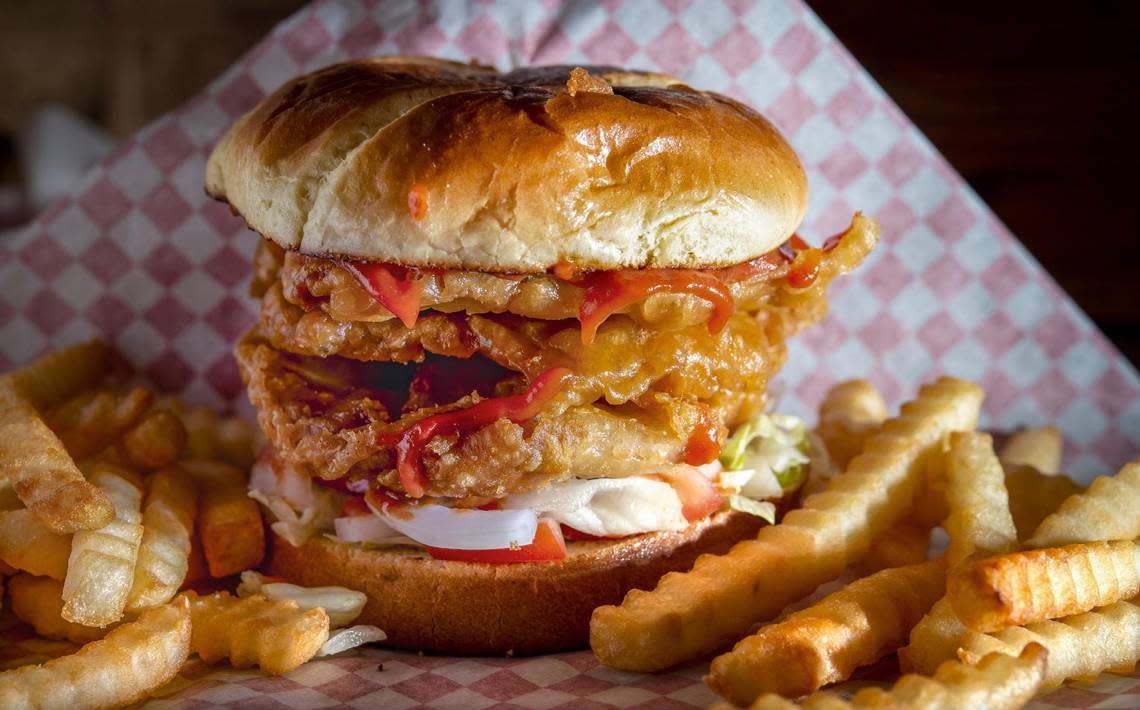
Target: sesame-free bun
x,y
466,608
424,162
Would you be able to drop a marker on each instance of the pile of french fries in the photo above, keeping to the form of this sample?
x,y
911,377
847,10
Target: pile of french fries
x,y
1039,583
114,501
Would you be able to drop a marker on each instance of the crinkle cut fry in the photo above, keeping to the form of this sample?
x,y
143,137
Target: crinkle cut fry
x,y
979,520
1080,646
907,542
41,471
695,613
1108,510
850,414
131,662
101,566
63,373
164,551
1039,448
827,641
979,523
38,602
1024,587
275,635
1034,496
997,682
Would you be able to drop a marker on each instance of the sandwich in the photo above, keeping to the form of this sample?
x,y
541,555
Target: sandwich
x,y
515,337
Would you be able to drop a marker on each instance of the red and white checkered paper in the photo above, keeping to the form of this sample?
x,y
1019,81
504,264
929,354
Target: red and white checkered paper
x,y
138,254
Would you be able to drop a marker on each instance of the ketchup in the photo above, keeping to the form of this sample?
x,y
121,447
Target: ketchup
x,y
517,408
417,202
397,288
703,444
609,291
805,268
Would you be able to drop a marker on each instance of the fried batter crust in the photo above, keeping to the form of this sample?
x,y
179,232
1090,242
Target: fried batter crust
x,y
331,431
635,396
317,283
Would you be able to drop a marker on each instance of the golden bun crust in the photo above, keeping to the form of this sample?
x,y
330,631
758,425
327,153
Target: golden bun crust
x,y
430,163
462,608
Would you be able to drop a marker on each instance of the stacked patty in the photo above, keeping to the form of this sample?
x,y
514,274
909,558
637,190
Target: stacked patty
x,y
474,284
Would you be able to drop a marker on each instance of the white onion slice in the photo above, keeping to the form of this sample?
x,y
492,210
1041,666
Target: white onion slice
x,y
274,476
342,605
364,528
342,640
262,477
607,507
461,528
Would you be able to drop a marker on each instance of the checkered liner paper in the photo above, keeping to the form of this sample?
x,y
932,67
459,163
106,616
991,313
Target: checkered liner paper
x,y
138,254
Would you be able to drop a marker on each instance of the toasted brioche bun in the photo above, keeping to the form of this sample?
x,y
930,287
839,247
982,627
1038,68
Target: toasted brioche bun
x,y
430,163
467,608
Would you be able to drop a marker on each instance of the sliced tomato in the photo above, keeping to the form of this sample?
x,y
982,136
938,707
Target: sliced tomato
x,y
699,495
548,545
575,535
355,507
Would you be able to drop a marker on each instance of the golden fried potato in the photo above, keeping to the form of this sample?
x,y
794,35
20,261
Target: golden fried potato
x,y
133,661
1108,510
905,543
90,421
979,524
27,544
229,521
997,682
38,602
275,635
164,552
42,473
1033,496
825,642
1039,448
156,441
979,520
62,374
850,413
212,436
933,640
197,570
101,568
1024,587
1080,646
692,614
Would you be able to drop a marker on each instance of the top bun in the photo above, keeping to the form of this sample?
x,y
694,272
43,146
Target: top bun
x,y
425,162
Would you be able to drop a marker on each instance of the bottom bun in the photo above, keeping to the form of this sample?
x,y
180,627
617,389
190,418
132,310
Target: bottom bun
x,y
474,608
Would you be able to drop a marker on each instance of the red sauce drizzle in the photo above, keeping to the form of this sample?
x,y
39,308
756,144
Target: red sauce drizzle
x,y
805,268
517,408
609,291
397,288
704,443
417,202
771,261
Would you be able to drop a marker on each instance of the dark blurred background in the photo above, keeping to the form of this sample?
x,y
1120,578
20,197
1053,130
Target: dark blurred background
x,y
1039,109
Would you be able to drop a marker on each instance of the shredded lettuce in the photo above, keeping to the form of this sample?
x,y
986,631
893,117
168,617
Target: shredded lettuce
x,y
298,526
775,443
765,510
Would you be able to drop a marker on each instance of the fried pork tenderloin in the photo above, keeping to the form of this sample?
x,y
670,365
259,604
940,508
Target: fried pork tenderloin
x,y
637,397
